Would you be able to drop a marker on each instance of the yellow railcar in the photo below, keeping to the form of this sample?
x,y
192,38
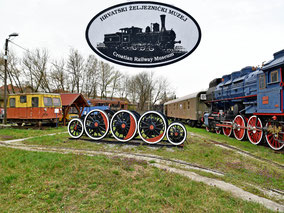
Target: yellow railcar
x,y
34,108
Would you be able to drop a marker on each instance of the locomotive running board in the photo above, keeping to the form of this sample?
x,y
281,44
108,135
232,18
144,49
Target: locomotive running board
x,y
136,142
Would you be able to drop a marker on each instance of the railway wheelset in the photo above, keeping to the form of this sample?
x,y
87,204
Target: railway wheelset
x,y
152,127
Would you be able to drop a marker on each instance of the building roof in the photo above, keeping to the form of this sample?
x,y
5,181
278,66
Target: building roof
x,y
192,95
70,98
10,88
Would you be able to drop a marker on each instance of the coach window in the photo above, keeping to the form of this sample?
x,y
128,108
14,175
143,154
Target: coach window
x,y
56,102
262,82
47,101
274,76
12,102
34,101
23,99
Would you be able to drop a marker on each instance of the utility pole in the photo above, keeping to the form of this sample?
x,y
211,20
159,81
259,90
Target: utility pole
x,y
5,81
5,75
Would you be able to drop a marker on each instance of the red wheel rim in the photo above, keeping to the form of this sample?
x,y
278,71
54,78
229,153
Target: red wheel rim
x,y
272,140
239,131
218,131
254,134
207,129
227,131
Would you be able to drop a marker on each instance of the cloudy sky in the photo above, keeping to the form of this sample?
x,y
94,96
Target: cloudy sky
x,y
235,34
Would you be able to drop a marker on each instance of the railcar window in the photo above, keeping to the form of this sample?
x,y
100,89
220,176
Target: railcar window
x,y
34,101
23,99
12,102
47,101
180,106
56,102
262,82
274,76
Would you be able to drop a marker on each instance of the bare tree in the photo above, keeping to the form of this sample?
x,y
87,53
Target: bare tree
x,y
91,76
75,67
59,76
115,82
15,74
123,86
160,89
105,78
144,86
35,66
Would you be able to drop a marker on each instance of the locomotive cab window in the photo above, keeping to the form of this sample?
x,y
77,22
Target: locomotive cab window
x,y
262,82
56,102
12,102
47,101
23,99
34,101
274,76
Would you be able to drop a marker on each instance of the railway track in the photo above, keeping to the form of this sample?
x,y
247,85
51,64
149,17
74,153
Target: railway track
x,y
248,153
242,152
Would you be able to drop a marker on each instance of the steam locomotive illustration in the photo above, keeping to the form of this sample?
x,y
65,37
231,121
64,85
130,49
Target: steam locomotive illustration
x,y
134,39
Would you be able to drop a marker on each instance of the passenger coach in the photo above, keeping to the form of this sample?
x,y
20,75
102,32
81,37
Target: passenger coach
x,y
188,109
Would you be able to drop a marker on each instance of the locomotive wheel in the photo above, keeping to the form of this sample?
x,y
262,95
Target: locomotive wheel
x,y
218,131
123,125
271,138
176,133
75,128
96,124
254,131
238,127
207,129
227,131
152,127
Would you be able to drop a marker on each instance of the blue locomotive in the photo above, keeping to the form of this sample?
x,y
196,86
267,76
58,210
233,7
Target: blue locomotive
x,y
249,103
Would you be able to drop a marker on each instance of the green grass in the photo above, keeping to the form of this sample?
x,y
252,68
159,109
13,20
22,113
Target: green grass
x,y
238,169
13,133
37,182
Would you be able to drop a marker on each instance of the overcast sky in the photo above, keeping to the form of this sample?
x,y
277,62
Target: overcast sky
x,y
235,34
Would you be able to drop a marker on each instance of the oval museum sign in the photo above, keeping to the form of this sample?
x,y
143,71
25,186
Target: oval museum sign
x,y
143,34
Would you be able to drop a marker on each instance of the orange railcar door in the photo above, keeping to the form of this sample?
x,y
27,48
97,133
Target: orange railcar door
x,y
35,110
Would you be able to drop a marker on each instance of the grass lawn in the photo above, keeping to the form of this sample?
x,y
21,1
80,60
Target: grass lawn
x,y
239,170
13,133
37,182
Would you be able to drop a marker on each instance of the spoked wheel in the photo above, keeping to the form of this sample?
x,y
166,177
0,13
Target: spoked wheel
x,y
238,127
75,128
176,133
227,131
272,138
207,129
152,127
96,124
124,125
218,131
254,131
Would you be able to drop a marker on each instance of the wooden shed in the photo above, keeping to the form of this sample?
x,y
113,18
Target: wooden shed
x,y
72,100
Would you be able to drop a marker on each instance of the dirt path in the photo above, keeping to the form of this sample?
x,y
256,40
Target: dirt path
x,y
159,163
